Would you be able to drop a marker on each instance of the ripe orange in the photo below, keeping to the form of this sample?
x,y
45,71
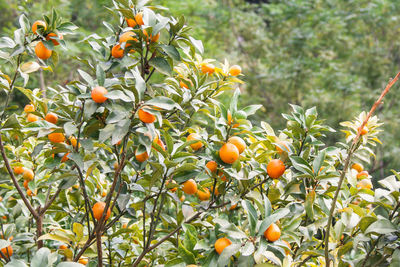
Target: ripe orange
x,y
73,141
42,51
289,246
195,136
127,36
151,38
216,192
38,23
62,247
275,168
124,226
229,153
51,117
7,251
30,193
364,184
83,261
65,157
273,233
98,94
183,85
190,187
56,137
5,216
172,182
31,117
182,198
233,207
142,157
229,117
238,142
363,131
212,166
137,21
221,244
28,174
222,176
55,41
117,52
279,149
235,70
207,68
98,210
357,167
146,117
160,143
362,175
104,193
29,108
18,170
203,194
26,184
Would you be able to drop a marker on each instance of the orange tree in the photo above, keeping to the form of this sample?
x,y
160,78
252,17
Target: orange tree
x,y
138,163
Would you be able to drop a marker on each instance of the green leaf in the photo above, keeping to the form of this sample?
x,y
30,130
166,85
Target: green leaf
x,y
29,67
41,258
11,123
86,77
55,238
250,110
227,253
171,51
318,162
16,263
267,207
163,103
100,74
365,222
381,226
77,228
140,83
185,254
278,214
161,64
301,165
70,264
309,204
252,215
117,94
77,158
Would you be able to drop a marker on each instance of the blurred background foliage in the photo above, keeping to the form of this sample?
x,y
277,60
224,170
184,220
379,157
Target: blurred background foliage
x,y
336,55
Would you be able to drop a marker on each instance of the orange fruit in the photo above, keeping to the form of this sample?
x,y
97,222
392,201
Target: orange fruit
x,y
26,184
233,207
5,216
289,246
222,176
212,166
142,157
30,193
238,142
11,238
42,51
146,117
83,261
56,137
126,37
98,210
115,165
183,85
229,153
65,157
7,251
18,170
275,168
221,244
53,34
279,149
207,68
73,141
151,38
62,247
216,192
98,94
51,117
160,143
235,70
1,198
117,52
195,136
104,193
172,182
182,198
273,233
190,187
229,118
203,194
357,167
76,186
124,226
28,174
364,184
137,21
29,108
38,23
363,131
31,117
362,175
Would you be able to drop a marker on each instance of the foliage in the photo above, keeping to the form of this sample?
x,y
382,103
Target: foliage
x,y
112,150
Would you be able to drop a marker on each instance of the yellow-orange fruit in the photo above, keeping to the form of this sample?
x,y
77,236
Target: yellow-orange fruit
x,y
7,251
183,85
212,166
29,108
233,207
221,244
104,193
28,174
42,51
137,21
235,70
238,142
98,210
51,117
146,117
127,37
362,175
173,189
117,51
203,194
279,149
56,137
51,35
36,24
189,187
98,94
152,38
31,117
275,168
197,145
83,261
229,153
357,167
18,170
363,131
142,157
26,182
65,157
62,247
273,233
207,68
364,184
